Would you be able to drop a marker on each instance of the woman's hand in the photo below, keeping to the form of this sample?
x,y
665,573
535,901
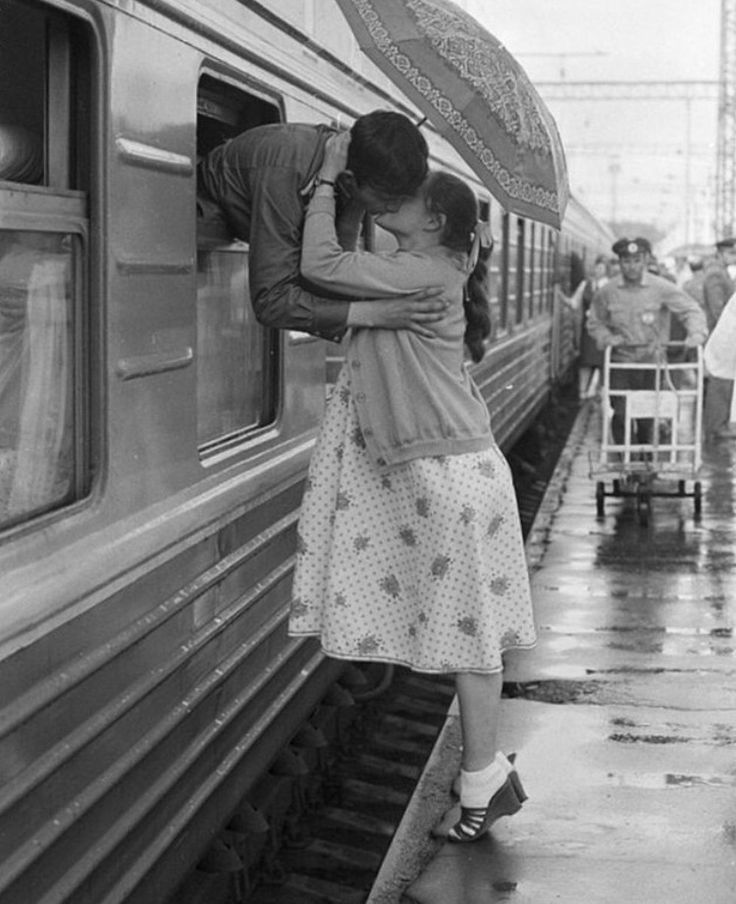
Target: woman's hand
x,y
417,313
335,158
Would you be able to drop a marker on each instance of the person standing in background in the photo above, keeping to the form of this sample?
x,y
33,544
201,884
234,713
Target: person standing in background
x,y
720,362
695,286
718,287
590,361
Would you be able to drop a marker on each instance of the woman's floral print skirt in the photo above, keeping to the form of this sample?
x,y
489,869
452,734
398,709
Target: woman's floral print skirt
x,y
423,566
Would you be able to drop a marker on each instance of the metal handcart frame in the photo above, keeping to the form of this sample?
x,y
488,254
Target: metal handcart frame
x,y
673,408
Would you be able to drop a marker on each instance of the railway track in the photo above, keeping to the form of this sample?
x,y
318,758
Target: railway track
x,y
367,788
316,827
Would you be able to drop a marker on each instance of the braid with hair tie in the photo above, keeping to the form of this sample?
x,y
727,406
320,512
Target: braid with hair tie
x,y
476,306
464,232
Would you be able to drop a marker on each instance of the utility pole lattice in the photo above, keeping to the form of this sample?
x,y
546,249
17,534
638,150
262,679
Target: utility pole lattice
x,y
726,157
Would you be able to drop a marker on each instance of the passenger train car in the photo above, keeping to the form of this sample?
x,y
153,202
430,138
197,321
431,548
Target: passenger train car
x,y
154,438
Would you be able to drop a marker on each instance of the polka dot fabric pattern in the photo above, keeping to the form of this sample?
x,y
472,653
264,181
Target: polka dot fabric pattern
x,y
423,566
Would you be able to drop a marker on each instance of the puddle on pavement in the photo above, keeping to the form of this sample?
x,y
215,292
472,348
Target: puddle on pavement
x,y
659,780
625,737
553,691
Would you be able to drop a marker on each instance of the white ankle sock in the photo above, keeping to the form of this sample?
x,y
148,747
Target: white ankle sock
x,y
477,788
504,763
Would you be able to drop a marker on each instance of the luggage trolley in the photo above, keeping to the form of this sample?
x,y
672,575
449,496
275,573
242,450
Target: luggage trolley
x,y
668,412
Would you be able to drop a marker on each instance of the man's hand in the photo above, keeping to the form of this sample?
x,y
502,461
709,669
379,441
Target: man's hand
x,y
417,313
335,157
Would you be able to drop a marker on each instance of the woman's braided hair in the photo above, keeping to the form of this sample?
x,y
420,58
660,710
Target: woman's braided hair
x,y
449,195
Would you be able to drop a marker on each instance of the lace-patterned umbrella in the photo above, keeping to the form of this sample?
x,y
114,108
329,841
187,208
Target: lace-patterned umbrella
x,y
474,93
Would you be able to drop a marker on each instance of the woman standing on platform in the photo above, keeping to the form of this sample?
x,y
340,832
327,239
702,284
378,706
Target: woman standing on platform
x,y
410,545
590,361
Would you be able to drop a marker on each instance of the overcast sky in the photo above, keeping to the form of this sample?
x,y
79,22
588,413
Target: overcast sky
x,y
641,39
631,159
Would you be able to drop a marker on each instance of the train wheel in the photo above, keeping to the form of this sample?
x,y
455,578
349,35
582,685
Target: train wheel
x,y
600,496
698,498
643,506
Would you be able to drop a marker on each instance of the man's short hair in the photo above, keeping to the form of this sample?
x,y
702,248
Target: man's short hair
x,y
626,247
388,153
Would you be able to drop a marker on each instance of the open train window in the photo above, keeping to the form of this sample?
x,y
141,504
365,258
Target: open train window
x,y
45,137
237,358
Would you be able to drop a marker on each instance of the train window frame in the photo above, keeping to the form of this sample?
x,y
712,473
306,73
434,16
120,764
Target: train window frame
x,y
484,216
551,252
218,95
520,282
531,269
505,260
52,199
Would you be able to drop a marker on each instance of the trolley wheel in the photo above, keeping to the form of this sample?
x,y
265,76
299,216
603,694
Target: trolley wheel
x,y
698,498
600,496
643,505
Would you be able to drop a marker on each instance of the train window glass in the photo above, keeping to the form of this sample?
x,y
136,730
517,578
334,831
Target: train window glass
x,y
540,251
507,284
45,142
44,97
237,358
557,252
531,268
541,267
493,287
520,263
38,313
548,259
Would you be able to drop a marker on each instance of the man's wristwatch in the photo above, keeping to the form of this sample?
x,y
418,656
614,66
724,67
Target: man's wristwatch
x,y
320,180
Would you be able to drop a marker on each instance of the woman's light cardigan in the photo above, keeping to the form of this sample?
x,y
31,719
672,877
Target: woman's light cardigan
x,y
414,395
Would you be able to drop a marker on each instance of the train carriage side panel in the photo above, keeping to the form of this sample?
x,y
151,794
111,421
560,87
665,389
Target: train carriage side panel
x,y
147,677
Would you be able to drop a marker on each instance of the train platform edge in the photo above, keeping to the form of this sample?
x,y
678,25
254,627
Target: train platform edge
x,y
623,718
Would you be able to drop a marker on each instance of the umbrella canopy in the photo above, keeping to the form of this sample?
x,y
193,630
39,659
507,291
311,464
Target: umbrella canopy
x,y
474,93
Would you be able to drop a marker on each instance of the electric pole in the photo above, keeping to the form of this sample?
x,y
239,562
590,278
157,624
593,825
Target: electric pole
x,y
725,213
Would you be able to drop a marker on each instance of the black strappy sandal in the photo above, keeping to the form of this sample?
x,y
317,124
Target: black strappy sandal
x,y
476,821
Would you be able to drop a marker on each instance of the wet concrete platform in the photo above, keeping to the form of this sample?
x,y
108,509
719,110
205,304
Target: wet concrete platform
x,y
623,718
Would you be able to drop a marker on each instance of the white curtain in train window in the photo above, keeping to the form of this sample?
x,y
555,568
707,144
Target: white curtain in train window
x,y
12,328
41,472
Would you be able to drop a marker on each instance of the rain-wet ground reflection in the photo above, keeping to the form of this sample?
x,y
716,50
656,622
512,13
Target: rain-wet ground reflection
x,y
624,717
669,780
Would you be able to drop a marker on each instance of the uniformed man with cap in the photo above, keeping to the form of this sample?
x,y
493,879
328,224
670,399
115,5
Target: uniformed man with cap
x,y
632,313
